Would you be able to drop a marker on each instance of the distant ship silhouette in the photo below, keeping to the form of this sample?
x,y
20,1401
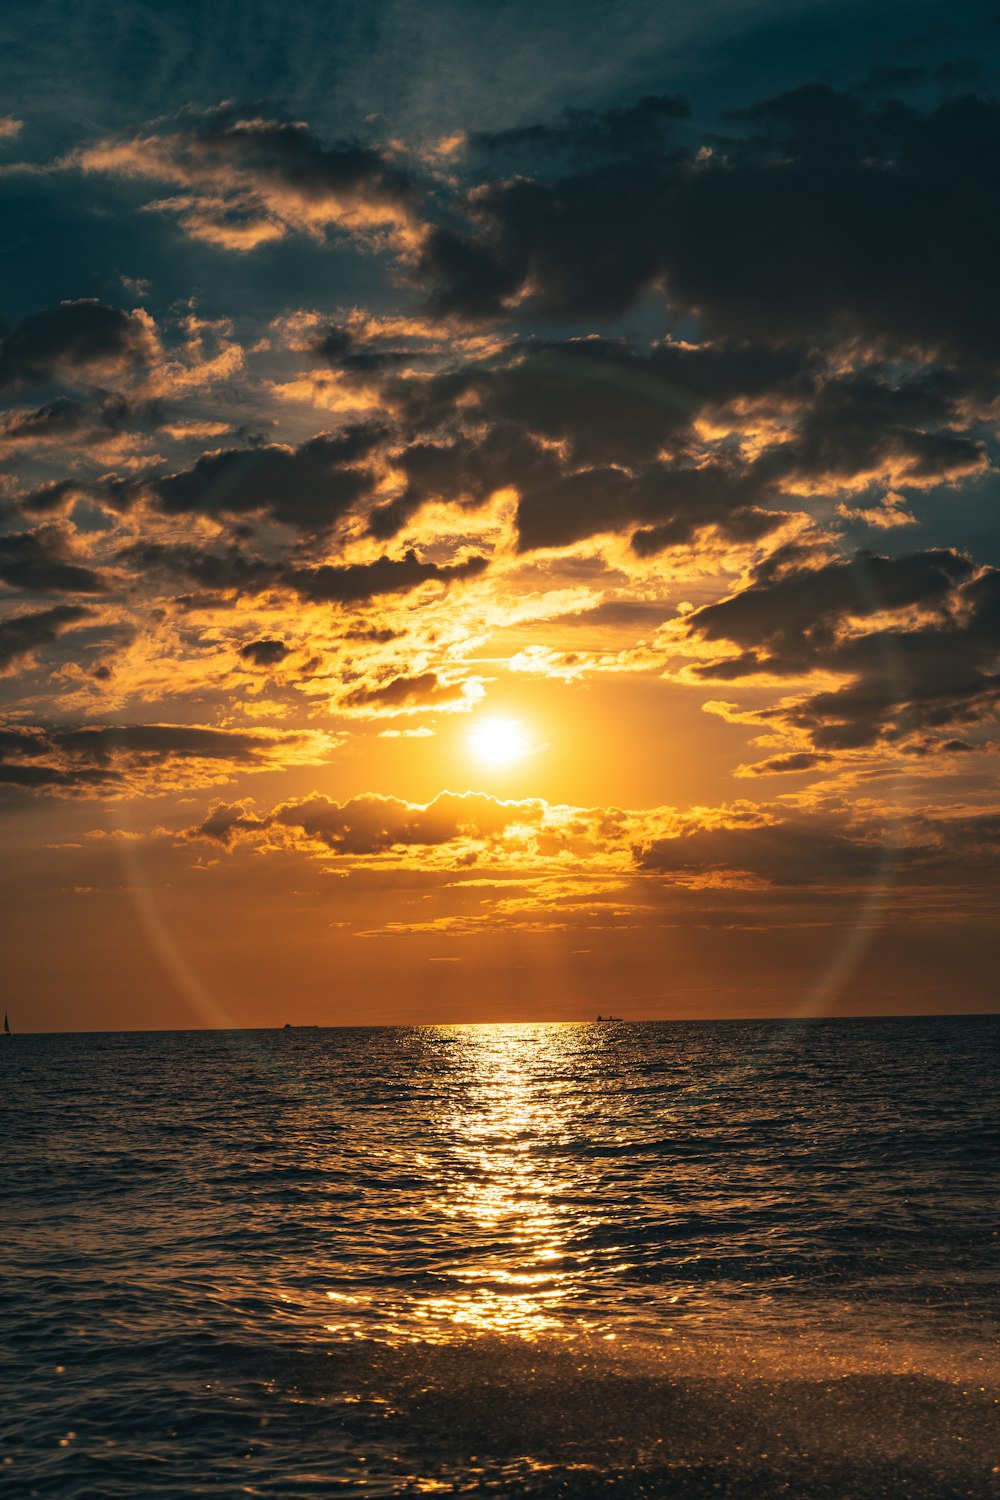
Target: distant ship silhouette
x,y
6,1025
610,1018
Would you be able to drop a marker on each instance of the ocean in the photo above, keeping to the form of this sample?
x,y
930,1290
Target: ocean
x,y
738,1259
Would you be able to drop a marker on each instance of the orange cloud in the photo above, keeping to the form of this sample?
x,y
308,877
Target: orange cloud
x,y
246,180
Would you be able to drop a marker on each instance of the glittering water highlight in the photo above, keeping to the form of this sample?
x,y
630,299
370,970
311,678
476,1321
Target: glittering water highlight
x,y
682,1259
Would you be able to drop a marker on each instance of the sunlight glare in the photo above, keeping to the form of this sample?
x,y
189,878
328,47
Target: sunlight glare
x,y
498,741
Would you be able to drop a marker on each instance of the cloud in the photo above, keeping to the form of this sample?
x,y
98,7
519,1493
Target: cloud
x,y
831,850
912,643
796,760
402,692
372,824
461,470
481,862
124,759
635,128
245,180
791,609
355,583
679,499
660,466
797,850
40,562
264,653
594,436
224,569
602,400
346,584
310,487
854,219
22,635
464,827
885,517
54,496
870,426
74,339
92,426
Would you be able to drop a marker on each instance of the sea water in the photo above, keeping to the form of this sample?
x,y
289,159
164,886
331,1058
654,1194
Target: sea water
x,y
719,1258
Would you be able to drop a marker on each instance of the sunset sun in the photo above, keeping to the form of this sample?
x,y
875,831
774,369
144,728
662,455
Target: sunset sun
x,y
498,741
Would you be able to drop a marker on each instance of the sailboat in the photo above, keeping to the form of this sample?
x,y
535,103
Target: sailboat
x,y
6,1025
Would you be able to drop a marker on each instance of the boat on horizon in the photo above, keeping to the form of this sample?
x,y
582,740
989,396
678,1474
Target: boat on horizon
x,y
6,1025
602,1019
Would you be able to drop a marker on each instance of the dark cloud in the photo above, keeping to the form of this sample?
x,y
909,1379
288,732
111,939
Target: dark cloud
x,y
401,692
606,398
605,401
39,562
57,419
353,583
629,614
378,635
829,849
31,776
264,653
332,583
339,347
827,217
883,81
101,743
225,570
797,760
73,339
20,635
573,506
80,760
597,435
579,427
958,71
735,522
809,849
373,824
67,417
55,496
678,499
907,681
630,130
250,179
464,470
861,424
310,487
288,154
588,245
791,609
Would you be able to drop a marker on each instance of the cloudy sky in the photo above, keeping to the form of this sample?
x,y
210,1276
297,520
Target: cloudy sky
x,y
498,510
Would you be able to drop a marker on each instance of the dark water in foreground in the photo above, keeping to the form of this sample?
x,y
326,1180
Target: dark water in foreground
x,y
727,1259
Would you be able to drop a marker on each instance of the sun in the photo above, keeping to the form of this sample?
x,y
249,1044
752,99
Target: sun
x,y
498,742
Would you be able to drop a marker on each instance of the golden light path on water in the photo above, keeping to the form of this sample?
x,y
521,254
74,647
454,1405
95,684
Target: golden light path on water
x,y
506,1198
649,1194
503,1130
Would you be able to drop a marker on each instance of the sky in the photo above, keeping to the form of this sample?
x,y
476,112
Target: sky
x,y
498,511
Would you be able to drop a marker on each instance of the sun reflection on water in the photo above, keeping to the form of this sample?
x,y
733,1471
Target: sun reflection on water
x,y
511,1184
505,1199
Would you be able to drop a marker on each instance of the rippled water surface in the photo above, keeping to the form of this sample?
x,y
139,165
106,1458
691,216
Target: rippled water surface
x,y
726,1258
